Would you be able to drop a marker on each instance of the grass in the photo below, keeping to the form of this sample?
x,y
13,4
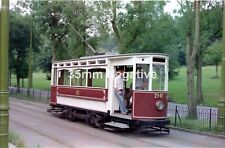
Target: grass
x,y
177,86
195,124
39,81
211,87
16,140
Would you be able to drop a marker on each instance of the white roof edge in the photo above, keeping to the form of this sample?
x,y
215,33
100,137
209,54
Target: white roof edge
x,y
112,56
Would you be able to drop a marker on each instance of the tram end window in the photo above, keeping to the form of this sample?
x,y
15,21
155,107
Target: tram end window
x,y
158,78
142,77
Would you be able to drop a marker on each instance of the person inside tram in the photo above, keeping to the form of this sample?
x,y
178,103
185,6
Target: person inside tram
x,y
140,80
120,90
140,84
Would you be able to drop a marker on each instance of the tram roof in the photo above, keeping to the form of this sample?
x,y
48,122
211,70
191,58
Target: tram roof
x,y
113,56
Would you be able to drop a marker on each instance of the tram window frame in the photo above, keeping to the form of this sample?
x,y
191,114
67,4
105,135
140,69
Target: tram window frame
x,y
165,75
91,82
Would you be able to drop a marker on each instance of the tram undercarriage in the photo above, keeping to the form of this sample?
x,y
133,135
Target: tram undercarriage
x,y
116,121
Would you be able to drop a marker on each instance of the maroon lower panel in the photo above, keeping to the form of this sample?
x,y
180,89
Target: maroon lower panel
x,y
144,105
97,94
53,94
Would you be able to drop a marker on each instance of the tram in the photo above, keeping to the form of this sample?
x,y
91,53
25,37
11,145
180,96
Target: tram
x,y
84,89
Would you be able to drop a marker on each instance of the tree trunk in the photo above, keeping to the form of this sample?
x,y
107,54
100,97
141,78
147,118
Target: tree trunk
x,y
221,105
217,75
17,84
10,77
199,79
191,61
192,106
22,82
114,26
30,62
53,50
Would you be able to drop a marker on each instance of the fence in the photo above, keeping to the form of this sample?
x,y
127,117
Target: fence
x,y
205,120
32,94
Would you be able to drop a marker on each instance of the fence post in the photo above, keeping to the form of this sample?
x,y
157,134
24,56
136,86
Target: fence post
x,y
175,124
48,96
20,93
33,94
40,96
210,119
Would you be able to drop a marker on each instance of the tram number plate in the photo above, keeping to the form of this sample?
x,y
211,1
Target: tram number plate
x,y
158,95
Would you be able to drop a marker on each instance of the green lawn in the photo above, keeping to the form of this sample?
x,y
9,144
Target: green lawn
x,y
211,87
177,86
39,81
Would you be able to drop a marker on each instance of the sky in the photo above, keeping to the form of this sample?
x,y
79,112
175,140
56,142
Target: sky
x,y
171,5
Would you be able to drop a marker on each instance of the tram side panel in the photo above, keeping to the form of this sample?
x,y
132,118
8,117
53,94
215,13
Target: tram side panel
x,y
85,98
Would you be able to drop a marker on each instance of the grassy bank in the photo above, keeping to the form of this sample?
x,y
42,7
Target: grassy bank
x,y
39,81
211,87
177,86
16,140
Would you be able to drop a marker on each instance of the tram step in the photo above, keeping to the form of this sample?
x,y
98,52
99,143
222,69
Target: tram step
x,y
117,125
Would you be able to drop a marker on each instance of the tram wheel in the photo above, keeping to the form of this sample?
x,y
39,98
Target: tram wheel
x,y
70,115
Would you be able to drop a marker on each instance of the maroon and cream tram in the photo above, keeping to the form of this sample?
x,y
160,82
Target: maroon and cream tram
x,y
84,89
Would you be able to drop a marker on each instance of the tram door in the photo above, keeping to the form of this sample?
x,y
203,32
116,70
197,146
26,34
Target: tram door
x,y
128,81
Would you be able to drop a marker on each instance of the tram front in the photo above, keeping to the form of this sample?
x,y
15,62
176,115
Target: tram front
x,y
150,92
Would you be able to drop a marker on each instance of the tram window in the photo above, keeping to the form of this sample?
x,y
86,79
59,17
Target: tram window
x,y
161,60
78,78
128,79
158,79
63,77
96,77
142,77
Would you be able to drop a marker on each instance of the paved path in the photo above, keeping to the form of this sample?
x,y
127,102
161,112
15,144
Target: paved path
x,y
39,129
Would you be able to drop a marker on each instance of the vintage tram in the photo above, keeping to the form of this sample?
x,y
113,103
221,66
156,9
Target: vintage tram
x,y
84,89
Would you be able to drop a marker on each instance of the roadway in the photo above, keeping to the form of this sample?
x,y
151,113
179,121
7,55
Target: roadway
x,y
39,129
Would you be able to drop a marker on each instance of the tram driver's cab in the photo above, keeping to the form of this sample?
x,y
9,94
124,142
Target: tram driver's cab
x,y
146,86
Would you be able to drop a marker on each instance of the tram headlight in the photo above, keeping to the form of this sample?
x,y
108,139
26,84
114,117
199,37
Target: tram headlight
x,y
159,105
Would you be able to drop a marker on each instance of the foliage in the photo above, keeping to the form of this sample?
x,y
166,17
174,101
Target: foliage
x,y
19,43
49,17
213,54
142,27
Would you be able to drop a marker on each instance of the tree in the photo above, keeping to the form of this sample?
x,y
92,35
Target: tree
x,y
214,56
19,43
51,22
221,105
210,29
80,26
137,29
191,48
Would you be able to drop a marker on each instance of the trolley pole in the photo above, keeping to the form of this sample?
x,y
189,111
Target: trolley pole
x,y
221,105
4,44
